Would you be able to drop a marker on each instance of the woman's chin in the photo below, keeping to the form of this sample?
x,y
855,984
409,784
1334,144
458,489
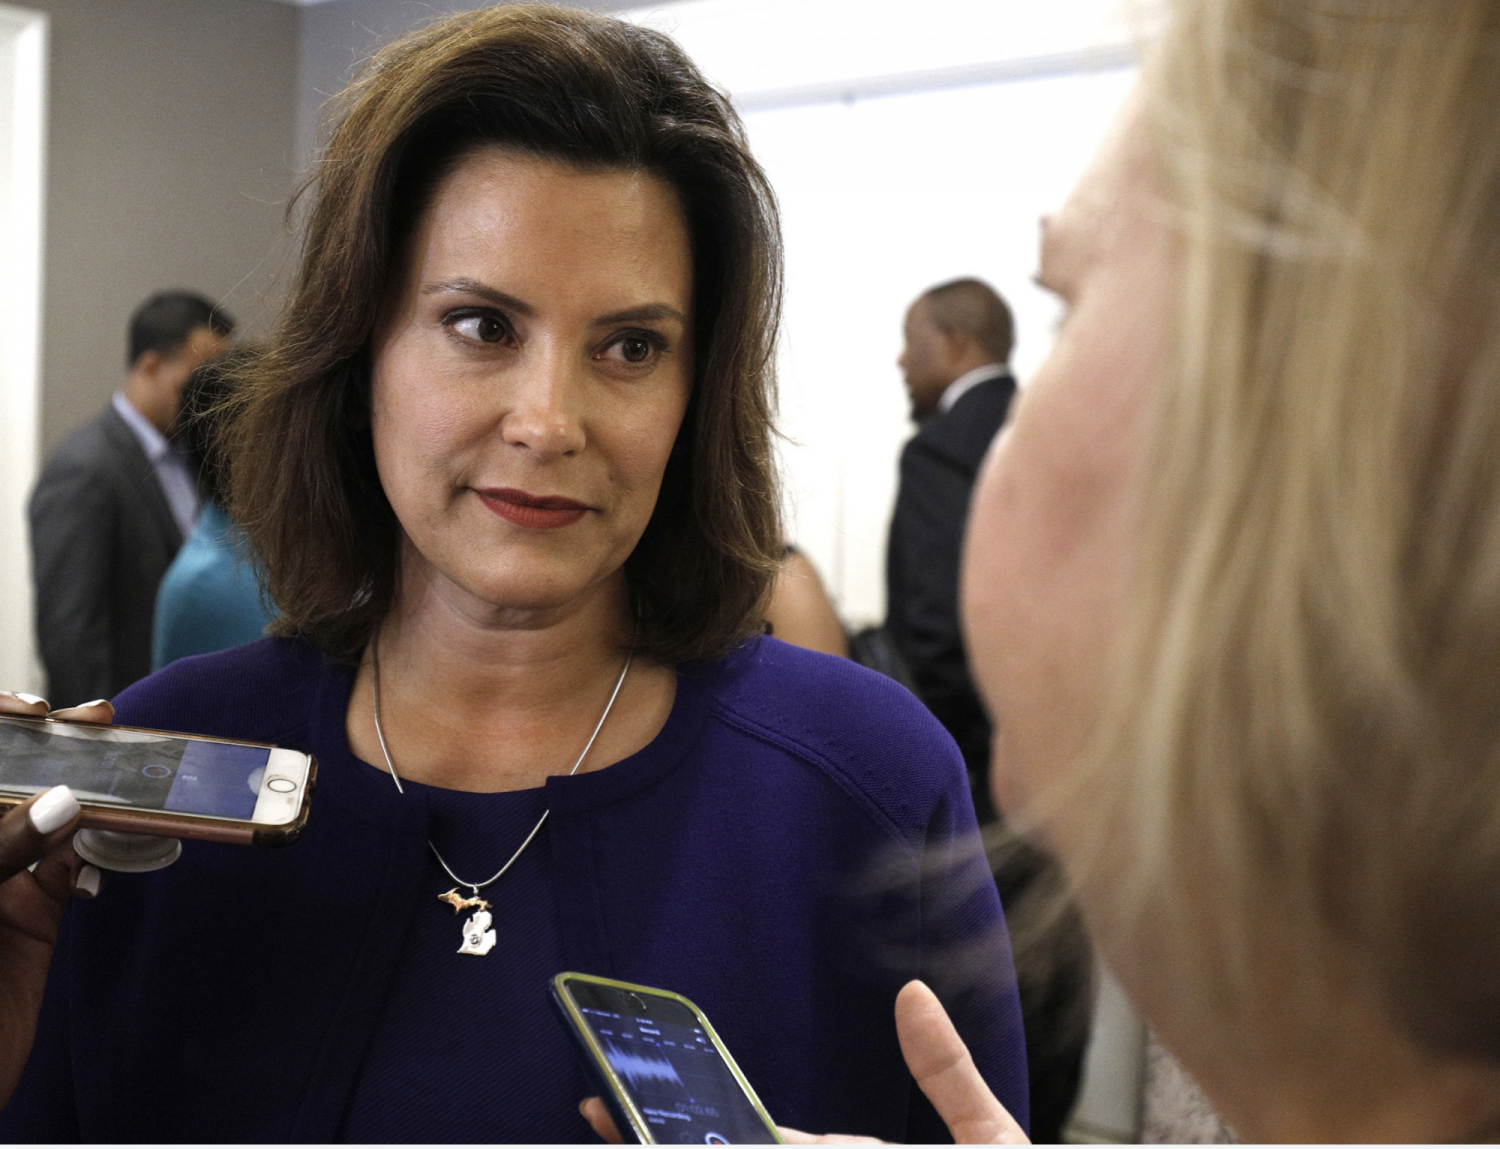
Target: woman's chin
x,y
539,595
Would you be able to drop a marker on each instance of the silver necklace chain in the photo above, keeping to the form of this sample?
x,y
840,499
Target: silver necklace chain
x,y
396,778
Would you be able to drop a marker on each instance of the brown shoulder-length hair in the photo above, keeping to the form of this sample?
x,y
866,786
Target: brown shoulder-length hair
x,y
587,90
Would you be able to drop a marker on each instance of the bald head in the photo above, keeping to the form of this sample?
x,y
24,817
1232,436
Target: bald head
x,y
972,309
950,330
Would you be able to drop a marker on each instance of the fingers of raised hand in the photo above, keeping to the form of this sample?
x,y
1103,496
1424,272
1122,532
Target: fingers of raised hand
x,y
27,705
597,1115
61,874
35,829
940,1062
101,712
37,835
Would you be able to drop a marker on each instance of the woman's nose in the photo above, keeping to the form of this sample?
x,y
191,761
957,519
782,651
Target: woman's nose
x,y
545,414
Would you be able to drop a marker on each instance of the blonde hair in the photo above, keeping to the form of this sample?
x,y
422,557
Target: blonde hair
x,y
1305,738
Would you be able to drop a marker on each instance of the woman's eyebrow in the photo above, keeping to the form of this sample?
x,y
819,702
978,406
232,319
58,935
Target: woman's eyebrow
x,y
647,313
484,291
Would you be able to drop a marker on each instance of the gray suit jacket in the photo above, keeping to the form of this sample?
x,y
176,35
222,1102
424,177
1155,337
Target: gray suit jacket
x,y
102,536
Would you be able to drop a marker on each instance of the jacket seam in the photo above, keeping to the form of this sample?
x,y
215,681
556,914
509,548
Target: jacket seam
x,y
824,765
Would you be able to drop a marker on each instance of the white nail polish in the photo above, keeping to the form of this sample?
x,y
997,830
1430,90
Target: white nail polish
x,y
30,699
96,702
55,808
88,881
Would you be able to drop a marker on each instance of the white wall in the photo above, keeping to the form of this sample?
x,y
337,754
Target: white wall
x,y
881,199
23,87
908,143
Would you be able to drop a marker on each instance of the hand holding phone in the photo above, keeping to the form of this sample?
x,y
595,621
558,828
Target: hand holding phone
x,y
939,1062
153,781
38,875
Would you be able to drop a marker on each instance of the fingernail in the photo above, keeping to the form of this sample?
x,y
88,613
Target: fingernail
x,y
87,881
53,810
96,702
29,699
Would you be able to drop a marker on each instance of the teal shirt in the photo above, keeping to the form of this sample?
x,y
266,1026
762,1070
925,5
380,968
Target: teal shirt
x,y
210,598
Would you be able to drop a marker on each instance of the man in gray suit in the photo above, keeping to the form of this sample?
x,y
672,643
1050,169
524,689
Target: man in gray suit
x,y
113,504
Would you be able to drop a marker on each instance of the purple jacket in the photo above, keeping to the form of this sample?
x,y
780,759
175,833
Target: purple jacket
x,y
795,844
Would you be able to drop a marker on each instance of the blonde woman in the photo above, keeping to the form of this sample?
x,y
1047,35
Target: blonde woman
x,y
1233,577
1264,555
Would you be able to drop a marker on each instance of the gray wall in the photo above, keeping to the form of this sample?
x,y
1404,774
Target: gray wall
x,y
177,129
170,154
336,37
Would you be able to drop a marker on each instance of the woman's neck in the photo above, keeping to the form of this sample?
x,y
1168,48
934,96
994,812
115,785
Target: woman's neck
x,y
474,697
442,644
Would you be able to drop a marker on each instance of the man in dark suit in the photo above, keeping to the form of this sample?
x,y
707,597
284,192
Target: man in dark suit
x,y
112,506
959,337
955,362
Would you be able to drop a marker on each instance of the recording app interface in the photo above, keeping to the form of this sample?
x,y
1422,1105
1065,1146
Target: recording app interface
x,y
128,768
681,1085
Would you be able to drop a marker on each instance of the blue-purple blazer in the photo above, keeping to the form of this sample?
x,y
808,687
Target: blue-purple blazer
x,y
795,844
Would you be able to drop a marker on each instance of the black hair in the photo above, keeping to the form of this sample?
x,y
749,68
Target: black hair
x,y
166,321
199,424
974,308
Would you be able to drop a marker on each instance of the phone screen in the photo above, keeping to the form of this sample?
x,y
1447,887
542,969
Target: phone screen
x,y
132,768
681,1085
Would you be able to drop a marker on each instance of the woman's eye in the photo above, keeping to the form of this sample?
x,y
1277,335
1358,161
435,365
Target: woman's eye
x,y
481,328
633,349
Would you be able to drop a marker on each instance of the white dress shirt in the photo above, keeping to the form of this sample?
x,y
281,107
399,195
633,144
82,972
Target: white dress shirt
x,y
170,465
967,381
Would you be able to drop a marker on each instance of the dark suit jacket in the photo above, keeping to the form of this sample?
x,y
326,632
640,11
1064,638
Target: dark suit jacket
x,y
102,536
938,467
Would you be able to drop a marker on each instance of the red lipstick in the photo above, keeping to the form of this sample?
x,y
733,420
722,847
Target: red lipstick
x,y
542,512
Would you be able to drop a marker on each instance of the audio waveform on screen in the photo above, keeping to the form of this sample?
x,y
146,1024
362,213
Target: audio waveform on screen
x,y
636,1069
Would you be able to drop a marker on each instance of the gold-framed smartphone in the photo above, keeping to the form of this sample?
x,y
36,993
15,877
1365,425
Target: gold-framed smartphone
x,y
662,1071
160,782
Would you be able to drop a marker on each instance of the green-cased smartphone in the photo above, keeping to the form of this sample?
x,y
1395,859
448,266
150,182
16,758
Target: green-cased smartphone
x,y
659,1066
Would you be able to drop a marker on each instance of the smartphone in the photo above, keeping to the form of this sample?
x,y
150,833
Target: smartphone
x,y
659,1066
156,782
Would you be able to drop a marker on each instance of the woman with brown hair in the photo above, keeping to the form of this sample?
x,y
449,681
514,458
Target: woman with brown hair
x,y
506,462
